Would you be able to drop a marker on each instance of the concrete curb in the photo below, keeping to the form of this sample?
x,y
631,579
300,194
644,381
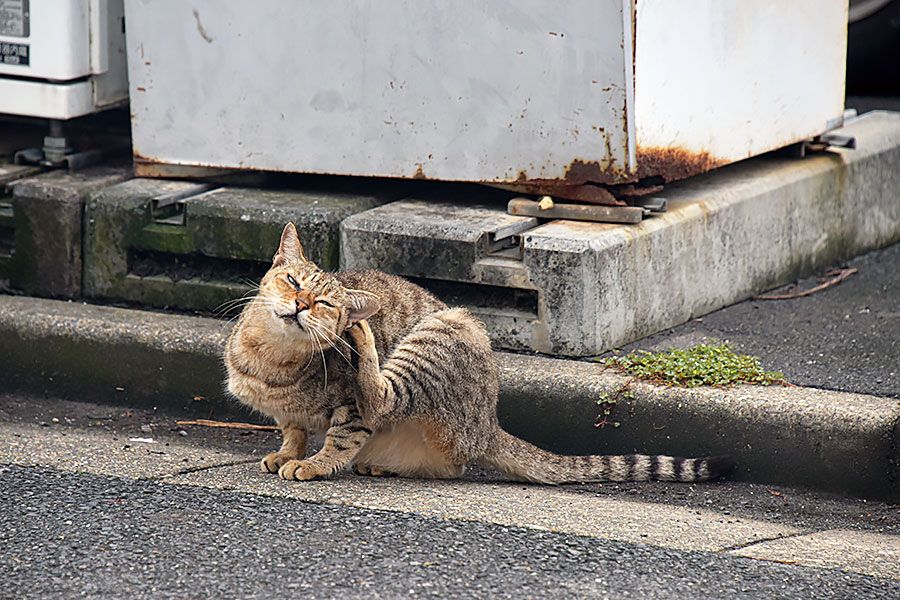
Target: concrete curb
x,y
840,442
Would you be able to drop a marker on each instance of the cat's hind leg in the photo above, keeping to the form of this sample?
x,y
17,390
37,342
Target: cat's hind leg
x,y
407,450
377,397
344,437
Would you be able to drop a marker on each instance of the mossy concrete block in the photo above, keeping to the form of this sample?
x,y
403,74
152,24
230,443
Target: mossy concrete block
x,y
47,211
9,173
246,223
182,245
727,235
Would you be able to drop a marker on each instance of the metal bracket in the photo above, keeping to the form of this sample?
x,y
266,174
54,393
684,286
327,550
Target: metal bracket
x,y
506,241
821,143
168,209
57,152
652,204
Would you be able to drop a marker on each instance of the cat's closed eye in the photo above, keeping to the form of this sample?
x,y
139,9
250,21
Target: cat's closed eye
x,y
325,303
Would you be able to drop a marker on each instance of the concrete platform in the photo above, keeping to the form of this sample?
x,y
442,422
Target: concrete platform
x,y
799,436
578,289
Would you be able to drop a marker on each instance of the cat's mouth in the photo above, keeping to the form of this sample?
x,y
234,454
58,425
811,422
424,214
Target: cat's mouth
x,y
291,319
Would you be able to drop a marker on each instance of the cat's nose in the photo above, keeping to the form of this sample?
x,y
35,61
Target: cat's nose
x,y
304,300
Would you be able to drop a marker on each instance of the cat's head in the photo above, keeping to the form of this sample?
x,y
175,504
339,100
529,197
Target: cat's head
x,y
306,301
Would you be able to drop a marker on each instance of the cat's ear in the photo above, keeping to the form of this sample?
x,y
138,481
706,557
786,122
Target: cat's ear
x,y
290,249
362,306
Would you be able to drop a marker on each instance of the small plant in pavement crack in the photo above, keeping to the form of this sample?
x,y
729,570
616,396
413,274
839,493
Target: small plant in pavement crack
x,y
608,401
715,365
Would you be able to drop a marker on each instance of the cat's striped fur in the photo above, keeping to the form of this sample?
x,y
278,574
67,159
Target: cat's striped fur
x,y
420,402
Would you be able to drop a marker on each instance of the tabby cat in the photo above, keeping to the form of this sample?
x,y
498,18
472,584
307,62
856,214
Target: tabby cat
x,y
421,401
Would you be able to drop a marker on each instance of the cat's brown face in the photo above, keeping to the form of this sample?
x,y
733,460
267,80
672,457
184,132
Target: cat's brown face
x,y
307,302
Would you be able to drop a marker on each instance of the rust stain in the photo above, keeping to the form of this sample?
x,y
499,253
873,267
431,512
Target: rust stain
x,y
580,172
419,174
588,193
144,166
630,190
602,183
673,164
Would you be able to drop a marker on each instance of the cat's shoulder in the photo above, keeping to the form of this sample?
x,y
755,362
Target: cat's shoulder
x,y
364,279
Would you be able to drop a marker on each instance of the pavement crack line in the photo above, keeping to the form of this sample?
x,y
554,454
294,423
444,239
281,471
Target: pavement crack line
x,y
764,540
189,470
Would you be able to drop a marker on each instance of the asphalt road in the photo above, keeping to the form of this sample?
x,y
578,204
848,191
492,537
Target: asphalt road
x,y
71,531
76,535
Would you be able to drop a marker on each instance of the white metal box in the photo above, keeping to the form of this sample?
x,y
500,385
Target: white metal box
x,y
529,92
61,59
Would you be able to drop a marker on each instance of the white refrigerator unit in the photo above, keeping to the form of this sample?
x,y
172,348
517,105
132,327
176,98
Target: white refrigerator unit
x,y
547,96
61,59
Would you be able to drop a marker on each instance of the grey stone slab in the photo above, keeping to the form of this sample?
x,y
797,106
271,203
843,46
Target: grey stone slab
x,y
434,239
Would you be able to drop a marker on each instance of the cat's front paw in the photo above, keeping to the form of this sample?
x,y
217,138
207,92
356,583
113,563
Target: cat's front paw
x,y
271,463
298,470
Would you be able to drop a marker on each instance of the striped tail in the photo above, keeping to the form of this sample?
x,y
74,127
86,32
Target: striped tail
x,y
522,461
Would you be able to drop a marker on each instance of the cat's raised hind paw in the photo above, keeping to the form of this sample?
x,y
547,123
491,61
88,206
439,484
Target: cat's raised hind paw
x,y
362,337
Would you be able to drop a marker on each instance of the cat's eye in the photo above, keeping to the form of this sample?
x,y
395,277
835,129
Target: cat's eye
x,y
292,281
325,303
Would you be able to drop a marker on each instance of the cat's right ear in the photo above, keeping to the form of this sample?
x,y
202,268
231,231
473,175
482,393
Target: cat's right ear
x,y
362,305
289,249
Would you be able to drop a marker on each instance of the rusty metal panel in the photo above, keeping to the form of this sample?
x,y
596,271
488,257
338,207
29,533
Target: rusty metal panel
x,y
717,82
471,90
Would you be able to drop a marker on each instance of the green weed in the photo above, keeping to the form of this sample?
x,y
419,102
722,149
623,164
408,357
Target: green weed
x,y
701,365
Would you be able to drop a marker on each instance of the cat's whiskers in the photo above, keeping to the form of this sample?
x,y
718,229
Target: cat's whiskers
x,y
345,354
245,299
328,336
316,340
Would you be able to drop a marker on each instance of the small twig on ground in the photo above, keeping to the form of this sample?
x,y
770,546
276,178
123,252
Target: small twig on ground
x,y
839,276
209,423
779,494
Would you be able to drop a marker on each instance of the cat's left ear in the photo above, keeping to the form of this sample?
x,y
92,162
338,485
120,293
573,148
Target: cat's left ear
x,y
362,306
289,249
